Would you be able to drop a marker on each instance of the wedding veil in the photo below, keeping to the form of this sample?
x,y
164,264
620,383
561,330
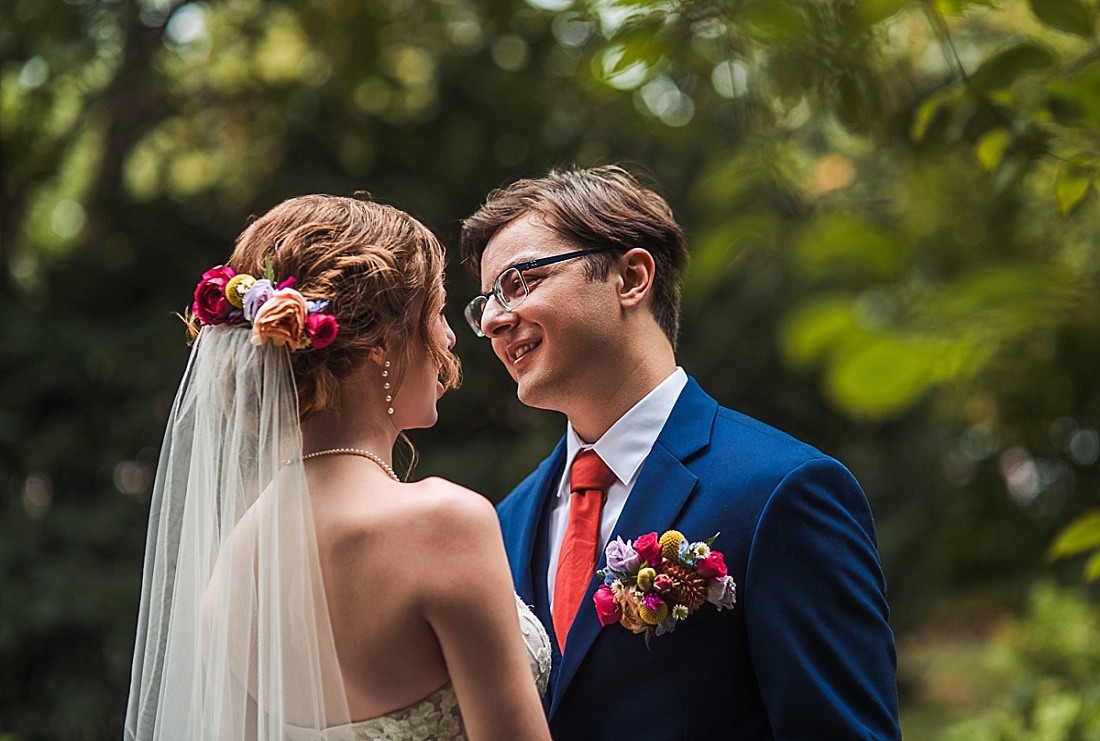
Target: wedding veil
x,y
233,638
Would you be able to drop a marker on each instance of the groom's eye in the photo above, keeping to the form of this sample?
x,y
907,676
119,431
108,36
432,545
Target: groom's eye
x,y
511,284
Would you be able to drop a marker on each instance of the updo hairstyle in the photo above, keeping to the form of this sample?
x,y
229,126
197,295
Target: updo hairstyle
x,y
380,269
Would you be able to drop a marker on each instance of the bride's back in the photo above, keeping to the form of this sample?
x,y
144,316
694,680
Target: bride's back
x,y
388,560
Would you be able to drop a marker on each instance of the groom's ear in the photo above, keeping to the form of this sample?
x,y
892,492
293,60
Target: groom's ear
x,y
636,270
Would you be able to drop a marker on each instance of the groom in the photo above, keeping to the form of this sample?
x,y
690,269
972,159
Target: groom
x,y
581,277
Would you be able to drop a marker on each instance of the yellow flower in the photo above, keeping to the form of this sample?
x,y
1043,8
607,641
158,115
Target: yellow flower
x,y
646,577
651,616
670,544
237,287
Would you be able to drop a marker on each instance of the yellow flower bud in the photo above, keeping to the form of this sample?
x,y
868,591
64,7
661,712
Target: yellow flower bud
x,y
646,577
237,286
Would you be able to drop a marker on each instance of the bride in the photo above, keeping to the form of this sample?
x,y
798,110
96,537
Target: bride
x,y
294,586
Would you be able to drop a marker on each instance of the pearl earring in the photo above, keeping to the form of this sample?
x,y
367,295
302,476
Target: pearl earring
x,y
386,385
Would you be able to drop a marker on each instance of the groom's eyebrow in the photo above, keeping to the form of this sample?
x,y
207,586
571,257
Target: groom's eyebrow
x,y
519,260
525,257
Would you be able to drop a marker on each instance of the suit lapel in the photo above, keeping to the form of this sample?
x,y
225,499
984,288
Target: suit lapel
x,y
532,513
663,487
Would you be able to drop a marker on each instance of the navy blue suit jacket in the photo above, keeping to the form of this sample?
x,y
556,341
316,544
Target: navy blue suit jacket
x,y
806,653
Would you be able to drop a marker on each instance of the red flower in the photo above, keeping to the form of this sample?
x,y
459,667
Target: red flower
x,y
648,548
606,608
211,305
321,329
713,565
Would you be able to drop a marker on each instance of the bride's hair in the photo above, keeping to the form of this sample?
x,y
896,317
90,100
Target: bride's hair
x,y
380,269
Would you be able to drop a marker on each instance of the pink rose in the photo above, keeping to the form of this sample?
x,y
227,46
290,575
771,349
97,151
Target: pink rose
x,y
280,319
713,565
648,548
211,305
606,607
662,582
321,329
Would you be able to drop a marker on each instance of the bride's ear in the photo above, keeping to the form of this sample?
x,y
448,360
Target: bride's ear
x,y
377,355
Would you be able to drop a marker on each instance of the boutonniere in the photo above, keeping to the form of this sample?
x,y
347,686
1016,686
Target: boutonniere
x,y
651,584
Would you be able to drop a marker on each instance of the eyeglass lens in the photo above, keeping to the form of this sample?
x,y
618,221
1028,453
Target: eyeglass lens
x,y
509,289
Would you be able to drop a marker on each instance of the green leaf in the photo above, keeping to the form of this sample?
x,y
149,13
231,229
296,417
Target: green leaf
x,y
774,21
812,330
870,12
1003,70
846,245
1075,100
882,377
958,7
1082,534
1071,16
991,149
927,111
1072,186
1092,567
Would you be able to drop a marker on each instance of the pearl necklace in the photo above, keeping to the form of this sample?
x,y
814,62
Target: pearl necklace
x,y
356,451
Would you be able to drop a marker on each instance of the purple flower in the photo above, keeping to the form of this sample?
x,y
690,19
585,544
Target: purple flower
x,y
255,297
622,557
722,592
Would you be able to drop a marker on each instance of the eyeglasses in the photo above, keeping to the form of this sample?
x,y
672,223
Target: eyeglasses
x,y
510,289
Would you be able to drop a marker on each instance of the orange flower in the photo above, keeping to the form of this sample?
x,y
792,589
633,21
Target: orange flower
x,y
630,618
280,319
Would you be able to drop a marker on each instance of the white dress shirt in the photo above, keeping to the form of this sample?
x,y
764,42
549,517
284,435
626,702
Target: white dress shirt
x,y
623,448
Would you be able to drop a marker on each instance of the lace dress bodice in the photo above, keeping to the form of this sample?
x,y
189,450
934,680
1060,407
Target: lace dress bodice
x,y
437,717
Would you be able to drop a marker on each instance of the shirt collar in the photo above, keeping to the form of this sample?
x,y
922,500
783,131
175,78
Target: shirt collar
x,y
626,443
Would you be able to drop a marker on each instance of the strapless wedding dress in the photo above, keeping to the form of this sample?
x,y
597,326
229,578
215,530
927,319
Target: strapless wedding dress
x,y
437,717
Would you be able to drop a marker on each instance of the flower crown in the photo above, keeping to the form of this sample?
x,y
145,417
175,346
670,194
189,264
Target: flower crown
x,y
274,312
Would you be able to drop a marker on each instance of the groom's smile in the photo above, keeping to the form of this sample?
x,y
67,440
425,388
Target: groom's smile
x,y
518,351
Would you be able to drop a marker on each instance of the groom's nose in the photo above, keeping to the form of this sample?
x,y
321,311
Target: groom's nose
x,y
495,318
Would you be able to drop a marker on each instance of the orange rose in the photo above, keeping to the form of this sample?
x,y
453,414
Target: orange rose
x,y
280,319
630,619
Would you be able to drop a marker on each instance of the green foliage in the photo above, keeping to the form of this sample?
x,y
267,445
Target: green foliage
x,y
1072,16
1082,535
1052,660
891,208
1072,185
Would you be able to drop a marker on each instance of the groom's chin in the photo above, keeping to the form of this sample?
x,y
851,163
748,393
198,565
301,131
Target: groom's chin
x,y
534,395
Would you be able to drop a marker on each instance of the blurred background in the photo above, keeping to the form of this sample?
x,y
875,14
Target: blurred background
x,y
893,214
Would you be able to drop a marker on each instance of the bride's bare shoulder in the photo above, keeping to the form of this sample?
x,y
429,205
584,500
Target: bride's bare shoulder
x,y
447,505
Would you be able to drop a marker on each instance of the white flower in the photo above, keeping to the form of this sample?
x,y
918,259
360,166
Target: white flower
x,y
700,550
665,626
679,612
722,593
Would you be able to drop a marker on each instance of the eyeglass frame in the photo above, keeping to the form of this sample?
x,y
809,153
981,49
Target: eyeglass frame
x,y
521,268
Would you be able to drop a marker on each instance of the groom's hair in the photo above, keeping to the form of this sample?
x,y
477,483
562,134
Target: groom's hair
x,y
599,207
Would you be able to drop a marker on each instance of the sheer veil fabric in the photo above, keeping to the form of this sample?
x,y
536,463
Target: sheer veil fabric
x,y
233,639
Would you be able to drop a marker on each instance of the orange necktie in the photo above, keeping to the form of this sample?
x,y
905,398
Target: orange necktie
x,y
589,478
